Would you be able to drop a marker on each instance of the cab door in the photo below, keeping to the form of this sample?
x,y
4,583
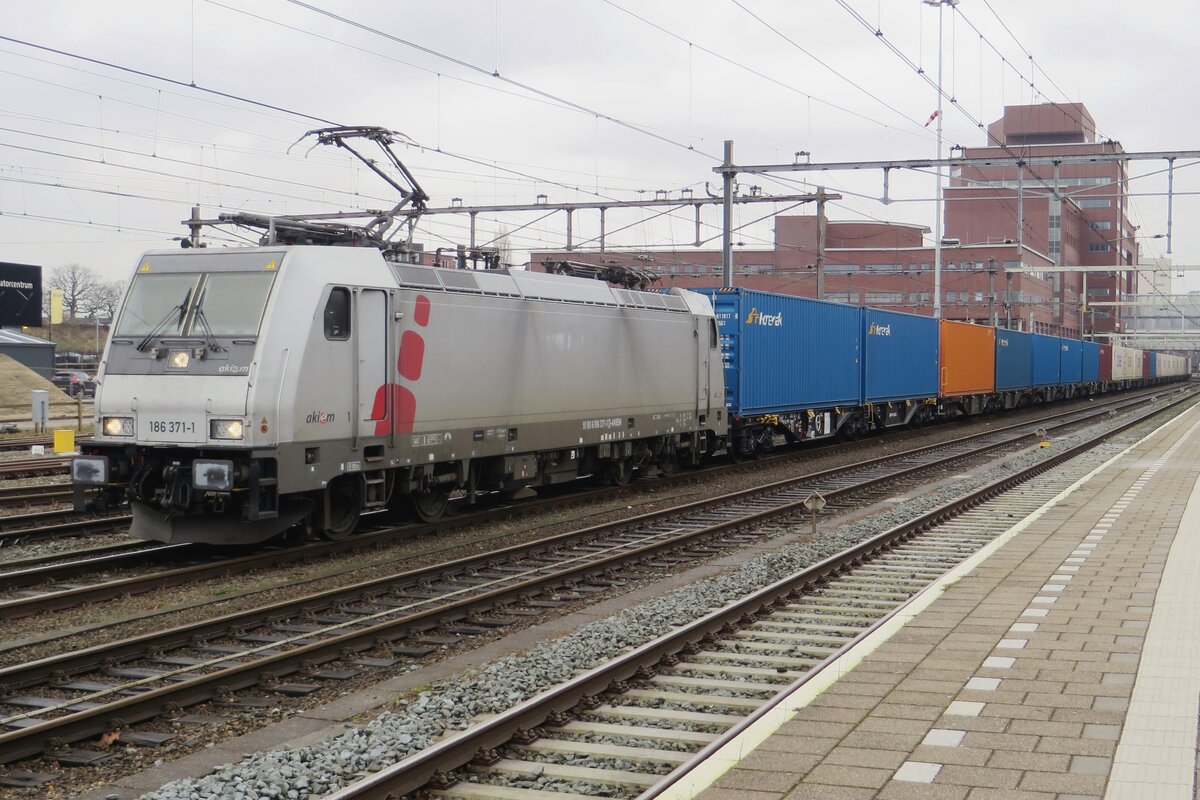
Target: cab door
x,y
372,348
701,338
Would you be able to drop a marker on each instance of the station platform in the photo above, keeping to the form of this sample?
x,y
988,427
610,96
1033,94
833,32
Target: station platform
x,y
1063,666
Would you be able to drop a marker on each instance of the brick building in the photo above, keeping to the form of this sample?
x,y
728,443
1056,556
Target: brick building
x,y
990,270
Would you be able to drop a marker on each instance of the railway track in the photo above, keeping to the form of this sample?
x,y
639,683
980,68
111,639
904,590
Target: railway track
x,y
19,496
56,524
638,724
52,584
34,467
335,633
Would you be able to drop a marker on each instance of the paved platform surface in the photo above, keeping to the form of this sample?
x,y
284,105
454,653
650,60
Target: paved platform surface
x,y
1066,666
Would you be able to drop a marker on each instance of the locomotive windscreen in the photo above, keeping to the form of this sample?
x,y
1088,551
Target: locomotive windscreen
x,y
192,304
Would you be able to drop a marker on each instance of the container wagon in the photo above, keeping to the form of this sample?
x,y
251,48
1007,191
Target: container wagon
x,y
1014,367
1106,363
968,367
1070,364
900,367
1046,365
793,368
1089,364
1126,365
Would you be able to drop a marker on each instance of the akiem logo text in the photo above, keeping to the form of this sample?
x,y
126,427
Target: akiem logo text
x,y
758,318
879,330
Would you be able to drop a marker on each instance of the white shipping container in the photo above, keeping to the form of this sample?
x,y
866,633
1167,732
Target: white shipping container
x,y
1127,363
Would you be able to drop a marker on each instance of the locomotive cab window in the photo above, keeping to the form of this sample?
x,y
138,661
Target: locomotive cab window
x,y
713,340
337,314
195,304
232,303
157,304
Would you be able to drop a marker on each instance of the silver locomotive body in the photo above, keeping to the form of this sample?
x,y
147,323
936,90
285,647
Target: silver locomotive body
x,y
244,392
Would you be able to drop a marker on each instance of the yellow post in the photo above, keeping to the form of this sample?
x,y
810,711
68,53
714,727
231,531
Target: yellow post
x,y
64,441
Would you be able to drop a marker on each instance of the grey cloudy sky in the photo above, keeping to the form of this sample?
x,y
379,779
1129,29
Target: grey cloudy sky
x,y
98,165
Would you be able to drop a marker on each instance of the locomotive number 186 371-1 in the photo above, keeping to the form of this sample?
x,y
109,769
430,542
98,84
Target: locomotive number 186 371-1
x,y
170,426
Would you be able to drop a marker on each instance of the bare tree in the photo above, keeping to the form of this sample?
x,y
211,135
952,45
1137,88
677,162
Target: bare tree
x,y
79,285
504,247
105,299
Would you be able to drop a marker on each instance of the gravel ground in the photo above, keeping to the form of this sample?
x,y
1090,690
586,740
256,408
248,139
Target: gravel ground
x,y
297,774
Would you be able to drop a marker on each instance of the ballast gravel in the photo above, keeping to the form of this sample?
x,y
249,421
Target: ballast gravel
x,y
314,770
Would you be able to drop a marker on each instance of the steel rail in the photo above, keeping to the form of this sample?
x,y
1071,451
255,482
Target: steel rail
x,y
457,750
39,736
67,598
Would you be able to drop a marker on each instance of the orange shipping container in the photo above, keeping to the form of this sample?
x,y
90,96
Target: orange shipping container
x,y
968,358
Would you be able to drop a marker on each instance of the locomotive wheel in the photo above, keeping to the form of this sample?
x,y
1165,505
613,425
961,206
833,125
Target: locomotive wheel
x,y
620,473
343,511
669,464
430,506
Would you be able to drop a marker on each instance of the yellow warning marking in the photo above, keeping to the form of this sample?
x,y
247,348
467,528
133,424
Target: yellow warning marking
x,y
145,267
270,265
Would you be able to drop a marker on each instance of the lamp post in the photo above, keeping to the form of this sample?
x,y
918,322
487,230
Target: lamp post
x,y
937,225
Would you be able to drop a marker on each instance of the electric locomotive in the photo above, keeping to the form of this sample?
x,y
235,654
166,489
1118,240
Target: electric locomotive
x,y
245,392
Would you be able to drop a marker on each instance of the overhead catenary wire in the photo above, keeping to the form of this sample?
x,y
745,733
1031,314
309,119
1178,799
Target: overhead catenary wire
x,y
829,68
757,73
494,74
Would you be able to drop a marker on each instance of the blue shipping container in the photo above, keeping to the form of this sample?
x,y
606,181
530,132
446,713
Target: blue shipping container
x,y
1090,372
785,353
1045,359
1070,361
1014,359
900,356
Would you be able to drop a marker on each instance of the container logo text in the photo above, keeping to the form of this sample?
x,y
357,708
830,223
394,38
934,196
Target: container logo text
x,y
879,330
771,320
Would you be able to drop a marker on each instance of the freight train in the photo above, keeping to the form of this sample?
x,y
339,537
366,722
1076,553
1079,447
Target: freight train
x,y
798,369
248,392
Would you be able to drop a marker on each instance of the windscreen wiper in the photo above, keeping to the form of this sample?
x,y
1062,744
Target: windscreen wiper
x,y
157,329
210,339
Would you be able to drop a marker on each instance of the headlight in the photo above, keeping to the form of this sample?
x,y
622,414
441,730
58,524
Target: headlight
x,y
117,426
179,359
225,429
216,476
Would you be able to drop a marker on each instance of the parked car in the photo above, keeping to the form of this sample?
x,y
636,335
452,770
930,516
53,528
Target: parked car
x,y
74,382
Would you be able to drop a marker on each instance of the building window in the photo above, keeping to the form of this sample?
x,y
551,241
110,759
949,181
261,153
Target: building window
x,y
1093,203
1093,247
979,297
1101,225
1055,220
883,267
885,298
1055,248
